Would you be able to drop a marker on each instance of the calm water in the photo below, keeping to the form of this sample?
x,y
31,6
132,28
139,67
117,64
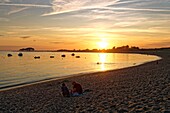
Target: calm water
x,y
17,70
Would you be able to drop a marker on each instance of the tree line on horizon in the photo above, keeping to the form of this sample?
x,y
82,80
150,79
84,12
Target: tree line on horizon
x,y
114,49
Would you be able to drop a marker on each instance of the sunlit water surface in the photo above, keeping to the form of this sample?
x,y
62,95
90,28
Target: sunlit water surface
x,y
16,71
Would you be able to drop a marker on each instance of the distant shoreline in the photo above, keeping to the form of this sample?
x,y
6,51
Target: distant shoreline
x,y
116,50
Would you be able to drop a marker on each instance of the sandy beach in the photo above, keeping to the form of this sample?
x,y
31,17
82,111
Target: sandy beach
x,y
144,88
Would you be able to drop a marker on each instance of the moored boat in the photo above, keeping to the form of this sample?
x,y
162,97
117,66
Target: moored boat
x,y
20,54
63,55
51,56
9,55
37,57
77,56
72,54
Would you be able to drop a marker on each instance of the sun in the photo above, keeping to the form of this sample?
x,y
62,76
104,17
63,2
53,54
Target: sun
x,y
103,40
103,44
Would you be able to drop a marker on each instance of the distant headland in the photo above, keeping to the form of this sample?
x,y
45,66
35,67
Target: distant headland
x,y
27,49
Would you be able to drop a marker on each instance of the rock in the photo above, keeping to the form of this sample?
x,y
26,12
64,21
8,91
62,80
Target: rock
x,y
155,108
122,111
139,106
132,105
104,102
90,109
139,110
145,108
166,111
87,98
113,106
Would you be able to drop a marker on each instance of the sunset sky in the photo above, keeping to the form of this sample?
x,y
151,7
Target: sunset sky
x,y
81,24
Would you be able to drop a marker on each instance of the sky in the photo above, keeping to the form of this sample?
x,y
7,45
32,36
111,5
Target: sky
x,y
82,24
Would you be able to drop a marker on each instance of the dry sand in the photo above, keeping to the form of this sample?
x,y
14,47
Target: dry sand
x,y
144,88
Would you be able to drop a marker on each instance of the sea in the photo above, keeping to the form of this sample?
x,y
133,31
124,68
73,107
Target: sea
x,y
16,71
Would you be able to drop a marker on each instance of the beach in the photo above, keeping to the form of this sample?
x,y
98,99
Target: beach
x,y
143,88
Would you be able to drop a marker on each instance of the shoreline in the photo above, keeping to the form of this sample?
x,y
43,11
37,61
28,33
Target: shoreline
x,y
20,85
128,89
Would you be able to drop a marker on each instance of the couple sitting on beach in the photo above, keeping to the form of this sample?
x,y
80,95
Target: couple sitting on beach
x,y
76,91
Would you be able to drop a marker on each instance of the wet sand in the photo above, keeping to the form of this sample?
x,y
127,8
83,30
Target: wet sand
x,y
144,88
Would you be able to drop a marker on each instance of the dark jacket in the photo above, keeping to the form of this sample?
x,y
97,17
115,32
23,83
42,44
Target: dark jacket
x,y
65,91
78,88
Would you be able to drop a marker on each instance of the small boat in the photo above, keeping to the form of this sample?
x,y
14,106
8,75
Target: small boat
x,y
51,56
20,54
37,57
63,55
9,55
77,56
72,54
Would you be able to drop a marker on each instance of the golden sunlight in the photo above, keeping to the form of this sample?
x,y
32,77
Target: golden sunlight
x,y
102,58
103,44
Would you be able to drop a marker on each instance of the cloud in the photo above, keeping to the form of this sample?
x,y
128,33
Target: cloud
x,y
4,19
137,9
159,44
4,1
63,6
63,42
25,5
17,10
9,47
25,37
56,42
125,2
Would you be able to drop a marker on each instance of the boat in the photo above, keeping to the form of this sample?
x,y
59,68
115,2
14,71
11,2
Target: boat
x,y
51,56
9,55
63,55
77,56
37,57
20,54
72,54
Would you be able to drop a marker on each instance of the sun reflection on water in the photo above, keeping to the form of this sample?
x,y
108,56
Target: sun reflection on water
x,y
102,58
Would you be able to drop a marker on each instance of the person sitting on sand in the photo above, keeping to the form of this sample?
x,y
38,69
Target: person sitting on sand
x,y
77,89
65,90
